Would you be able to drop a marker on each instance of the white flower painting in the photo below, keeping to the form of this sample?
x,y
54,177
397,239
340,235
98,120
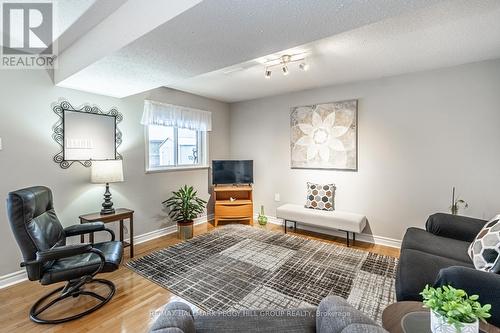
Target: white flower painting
x,y
324,136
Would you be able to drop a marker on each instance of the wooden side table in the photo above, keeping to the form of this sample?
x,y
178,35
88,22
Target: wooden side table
x,y
394,313
120,214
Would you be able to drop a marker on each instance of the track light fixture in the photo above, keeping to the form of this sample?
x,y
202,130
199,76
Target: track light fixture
x,y
284,61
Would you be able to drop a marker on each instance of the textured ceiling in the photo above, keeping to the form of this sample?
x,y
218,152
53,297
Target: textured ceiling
x,y
219,33
446,34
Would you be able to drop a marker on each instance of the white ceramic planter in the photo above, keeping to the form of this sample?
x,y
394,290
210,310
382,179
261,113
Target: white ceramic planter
x,y
440,325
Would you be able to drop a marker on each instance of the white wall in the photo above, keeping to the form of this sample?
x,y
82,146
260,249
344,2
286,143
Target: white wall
x,y
419,135
26,120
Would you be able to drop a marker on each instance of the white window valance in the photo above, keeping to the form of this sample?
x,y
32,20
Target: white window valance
x,y
162,114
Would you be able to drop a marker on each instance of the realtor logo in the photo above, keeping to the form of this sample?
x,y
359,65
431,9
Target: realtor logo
x,y
27,35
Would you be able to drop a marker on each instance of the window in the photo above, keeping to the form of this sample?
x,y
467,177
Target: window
x,y
171,147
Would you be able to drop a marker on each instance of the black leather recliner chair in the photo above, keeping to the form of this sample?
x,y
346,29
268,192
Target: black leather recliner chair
x,y
47,258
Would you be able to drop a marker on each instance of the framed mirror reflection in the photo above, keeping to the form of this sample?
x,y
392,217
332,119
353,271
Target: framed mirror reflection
x,y
86,134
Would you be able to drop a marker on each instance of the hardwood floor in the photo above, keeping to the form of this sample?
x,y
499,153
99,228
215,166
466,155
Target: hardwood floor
x,y
136,300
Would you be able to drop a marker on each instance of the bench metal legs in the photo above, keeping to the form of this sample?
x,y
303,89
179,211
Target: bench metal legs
x,y
294,225
347,238
353,238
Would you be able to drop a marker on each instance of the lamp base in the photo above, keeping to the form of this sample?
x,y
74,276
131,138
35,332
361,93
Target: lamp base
x,y
107,205
107,211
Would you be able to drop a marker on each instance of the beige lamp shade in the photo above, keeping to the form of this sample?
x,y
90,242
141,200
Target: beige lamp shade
x,y
110,171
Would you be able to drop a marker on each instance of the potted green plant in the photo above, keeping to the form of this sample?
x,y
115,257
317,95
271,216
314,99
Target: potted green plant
x,y
184,206
452,310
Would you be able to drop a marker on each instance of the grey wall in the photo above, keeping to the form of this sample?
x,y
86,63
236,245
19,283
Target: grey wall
x,y
419,135
26,120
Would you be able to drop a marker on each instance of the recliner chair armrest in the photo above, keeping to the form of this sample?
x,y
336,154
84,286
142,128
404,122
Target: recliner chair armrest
x,y
474,282
454,226
85,228
59,253
63,252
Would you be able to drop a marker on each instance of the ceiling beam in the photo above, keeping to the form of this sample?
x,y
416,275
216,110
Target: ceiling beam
x,y
129,21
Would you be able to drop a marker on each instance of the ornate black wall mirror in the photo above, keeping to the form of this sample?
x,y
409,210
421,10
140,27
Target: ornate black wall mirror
x,y
85,134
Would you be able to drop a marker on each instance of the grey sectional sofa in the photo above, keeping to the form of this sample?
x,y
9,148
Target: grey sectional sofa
x,y
333,315
438,256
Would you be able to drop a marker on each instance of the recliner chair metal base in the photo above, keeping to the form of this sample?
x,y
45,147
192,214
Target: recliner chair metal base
x,y
71,289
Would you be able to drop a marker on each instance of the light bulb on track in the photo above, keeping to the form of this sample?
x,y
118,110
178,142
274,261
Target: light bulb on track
x,y
304,66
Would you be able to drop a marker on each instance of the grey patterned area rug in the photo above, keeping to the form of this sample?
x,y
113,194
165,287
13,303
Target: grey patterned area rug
x,y
239,267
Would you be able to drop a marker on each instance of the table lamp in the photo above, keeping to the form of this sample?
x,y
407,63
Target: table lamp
x,y
105,172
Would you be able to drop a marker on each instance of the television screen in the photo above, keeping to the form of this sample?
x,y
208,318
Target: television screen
x,y
232,172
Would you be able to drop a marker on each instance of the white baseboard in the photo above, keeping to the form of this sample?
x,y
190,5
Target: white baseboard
x,y
374,239
13,278
20,276
167,230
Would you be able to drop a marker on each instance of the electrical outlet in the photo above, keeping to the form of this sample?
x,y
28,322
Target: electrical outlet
x,y
277,197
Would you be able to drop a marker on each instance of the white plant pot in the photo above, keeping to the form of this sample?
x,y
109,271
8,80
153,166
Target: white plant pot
x,y
440,325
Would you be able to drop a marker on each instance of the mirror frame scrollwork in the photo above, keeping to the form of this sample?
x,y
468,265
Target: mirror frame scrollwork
x,y
58,130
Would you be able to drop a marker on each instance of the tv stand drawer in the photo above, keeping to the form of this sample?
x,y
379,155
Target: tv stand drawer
x,y
233,209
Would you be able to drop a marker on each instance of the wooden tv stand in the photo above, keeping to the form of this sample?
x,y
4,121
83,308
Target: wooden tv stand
x,y
239,209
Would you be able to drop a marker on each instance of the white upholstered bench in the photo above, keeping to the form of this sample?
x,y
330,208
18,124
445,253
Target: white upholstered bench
x,y
348,222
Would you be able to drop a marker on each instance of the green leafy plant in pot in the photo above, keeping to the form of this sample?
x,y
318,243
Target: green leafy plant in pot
x,y
184,206
452,310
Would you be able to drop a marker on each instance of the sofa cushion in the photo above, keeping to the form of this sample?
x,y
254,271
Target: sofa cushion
x,y
485,249
262,321
176,317
321,218
421,240
320,196
336,315
416,269
363,328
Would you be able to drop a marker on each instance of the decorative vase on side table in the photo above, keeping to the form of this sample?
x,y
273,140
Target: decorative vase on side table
x,y
439,324
453,310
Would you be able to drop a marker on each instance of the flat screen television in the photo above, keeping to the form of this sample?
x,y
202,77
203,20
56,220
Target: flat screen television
x,y
232,172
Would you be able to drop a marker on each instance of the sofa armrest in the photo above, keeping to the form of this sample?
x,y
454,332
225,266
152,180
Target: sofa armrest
x,y
454,226
474,282
336,315
176,317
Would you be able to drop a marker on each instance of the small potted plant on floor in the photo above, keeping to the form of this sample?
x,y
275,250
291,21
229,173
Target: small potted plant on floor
x,y
184,206
453,311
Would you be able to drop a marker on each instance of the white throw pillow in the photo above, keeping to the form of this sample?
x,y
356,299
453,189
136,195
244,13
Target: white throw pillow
x,y
485,249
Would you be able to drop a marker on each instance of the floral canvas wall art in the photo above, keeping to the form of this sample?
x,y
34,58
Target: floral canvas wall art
x,y
325,136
